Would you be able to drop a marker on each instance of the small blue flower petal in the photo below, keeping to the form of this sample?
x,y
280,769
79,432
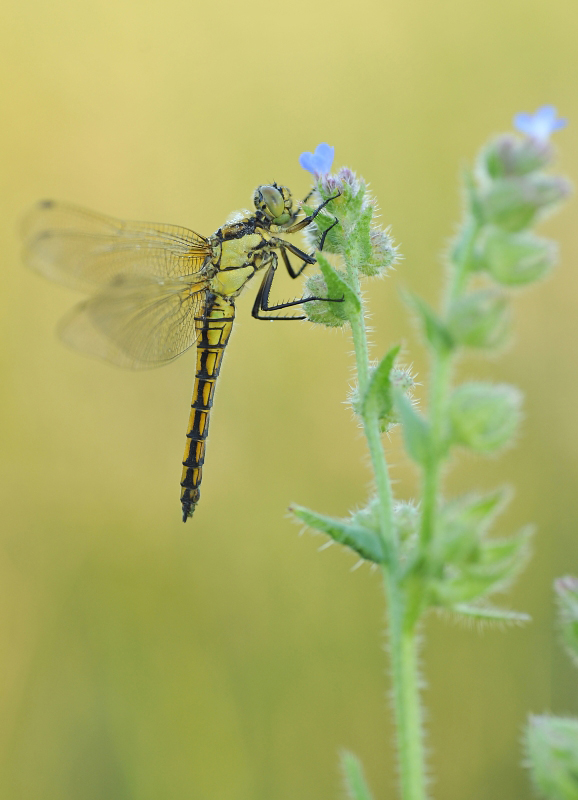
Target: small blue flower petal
x,y
307,161
319,162
324,153
541,124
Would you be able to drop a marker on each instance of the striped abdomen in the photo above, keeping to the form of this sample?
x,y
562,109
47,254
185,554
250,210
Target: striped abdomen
x,y
215,332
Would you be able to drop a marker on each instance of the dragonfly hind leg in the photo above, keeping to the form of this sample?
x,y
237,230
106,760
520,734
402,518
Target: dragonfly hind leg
x,y
261,303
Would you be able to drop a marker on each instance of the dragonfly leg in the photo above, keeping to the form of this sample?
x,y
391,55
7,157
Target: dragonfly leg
x,y
304,257
309,219
324,234
299,208
294,273
261,303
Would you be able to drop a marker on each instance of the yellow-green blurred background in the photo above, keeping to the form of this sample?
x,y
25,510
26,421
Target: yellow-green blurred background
x,y
142,659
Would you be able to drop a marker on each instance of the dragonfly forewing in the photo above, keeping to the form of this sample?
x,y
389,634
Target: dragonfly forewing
x,y
86,251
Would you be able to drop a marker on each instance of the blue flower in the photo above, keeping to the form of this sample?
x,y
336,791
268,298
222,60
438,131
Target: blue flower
x,y
319,162
540,124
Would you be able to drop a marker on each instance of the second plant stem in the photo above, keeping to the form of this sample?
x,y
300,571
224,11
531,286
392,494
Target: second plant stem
x,y
441,371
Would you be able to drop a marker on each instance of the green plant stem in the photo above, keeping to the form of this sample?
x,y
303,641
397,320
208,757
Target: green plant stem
x,y
460,258
441,371
373,436
440,380
406,700
402,636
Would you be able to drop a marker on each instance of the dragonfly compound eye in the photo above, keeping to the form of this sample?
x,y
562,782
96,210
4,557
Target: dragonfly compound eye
x,y
271,201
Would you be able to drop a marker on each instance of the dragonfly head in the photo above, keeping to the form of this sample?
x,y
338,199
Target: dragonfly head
x,y
275,202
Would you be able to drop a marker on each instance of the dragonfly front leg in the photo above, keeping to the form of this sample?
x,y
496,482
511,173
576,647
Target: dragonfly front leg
x,y
305,258
300,207
262,300
303,224
309,219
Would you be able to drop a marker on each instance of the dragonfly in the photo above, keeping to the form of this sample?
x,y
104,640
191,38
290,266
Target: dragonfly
x,y
156,290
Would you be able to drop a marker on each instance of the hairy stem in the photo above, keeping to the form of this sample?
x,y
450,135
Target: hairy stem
x,y
373,434
406,700
440,379
441,371
402,637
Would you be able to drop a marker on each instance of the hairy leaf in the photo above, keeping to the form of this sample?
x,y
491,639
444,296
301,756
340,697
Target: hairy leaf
x,y
364,542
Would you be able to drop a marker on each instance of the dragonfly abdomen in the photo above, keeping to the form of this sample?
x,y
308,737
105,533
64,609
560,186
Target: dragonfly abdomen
x,y
216,329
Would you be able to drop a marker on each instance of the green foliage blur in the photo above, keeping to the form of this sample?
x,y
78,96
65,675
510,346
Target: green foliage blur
x,y
228,658
551,742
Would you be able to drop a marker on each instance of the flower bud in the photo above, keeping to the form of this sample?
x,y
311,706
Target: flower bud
x,y
398,378
508,203
351,203
367,517
512,203
550,190
352,190
383,253
406,520
327,313
509,155
552,754
402,379
480,319
484,416
516,259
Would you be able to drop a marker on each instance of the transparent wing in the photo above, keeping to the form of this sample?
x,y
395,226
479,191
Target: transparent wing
x,y
137,323
85,250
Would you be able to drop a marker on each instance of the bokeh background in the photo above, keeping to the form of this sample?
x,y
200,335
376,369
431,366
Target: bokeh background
x,y
230,658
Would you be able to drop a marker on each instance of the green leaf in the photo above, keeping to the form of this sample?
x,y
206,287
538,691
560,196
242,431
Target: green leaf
x,y
552,756
474,203
337,285
491,566
567,595
335,239
434,329
480,319
475,508
358,241
354,779
516,259
463,523
378,396
364,542
491,614
416,431
509,203
484,416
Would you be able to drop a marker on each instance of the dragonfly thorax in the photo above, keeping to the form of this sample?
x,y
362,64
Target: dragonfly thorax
x,y
275,202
